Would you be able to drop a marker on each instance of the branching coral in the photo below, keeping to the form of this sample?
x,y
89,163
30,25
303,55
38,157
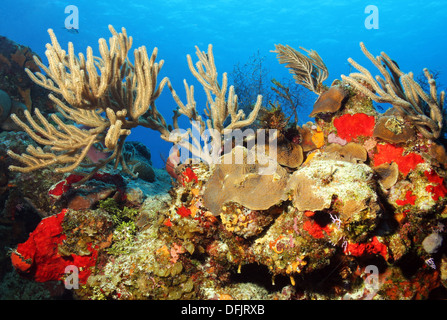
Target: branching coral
x,y
106,97
402,91
309,71
220,106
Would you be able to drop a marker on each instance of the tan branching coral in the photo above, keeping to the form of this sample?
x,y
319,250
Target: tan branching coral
x,y
220,106
309,71
106,97
402,91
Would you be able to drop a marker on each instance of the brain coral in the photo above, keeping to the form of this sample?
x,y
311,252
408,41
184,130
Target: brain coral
x,y
323,179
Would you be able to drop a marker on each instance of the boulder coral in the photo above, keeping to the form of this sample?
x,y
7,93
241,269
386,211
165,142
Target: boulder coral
x,y
347,190
393,129
243,182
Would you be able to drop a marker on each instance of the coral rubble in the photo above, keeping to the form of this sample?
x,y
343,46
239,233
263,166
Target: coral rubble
x,y
355,196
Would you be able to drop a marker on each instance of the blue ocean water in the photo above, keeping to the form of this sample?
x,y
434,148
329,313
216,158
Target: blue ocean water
x,y
410,32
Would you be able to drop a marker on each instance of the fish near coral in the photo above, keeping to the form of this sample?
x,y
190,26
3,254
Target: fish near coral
x,y
95,155
172,162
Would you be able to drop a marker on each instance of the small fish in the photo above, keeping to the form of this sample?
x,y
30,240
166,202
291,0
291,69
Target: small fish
x,y
96,155
350,67
173,161
71,30
394,62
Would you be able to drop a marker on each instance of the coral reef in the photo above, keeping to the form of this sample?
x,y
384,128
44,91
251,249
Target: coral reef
x,y
220,108
240,181
108,96
356,195
400,89
138,158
